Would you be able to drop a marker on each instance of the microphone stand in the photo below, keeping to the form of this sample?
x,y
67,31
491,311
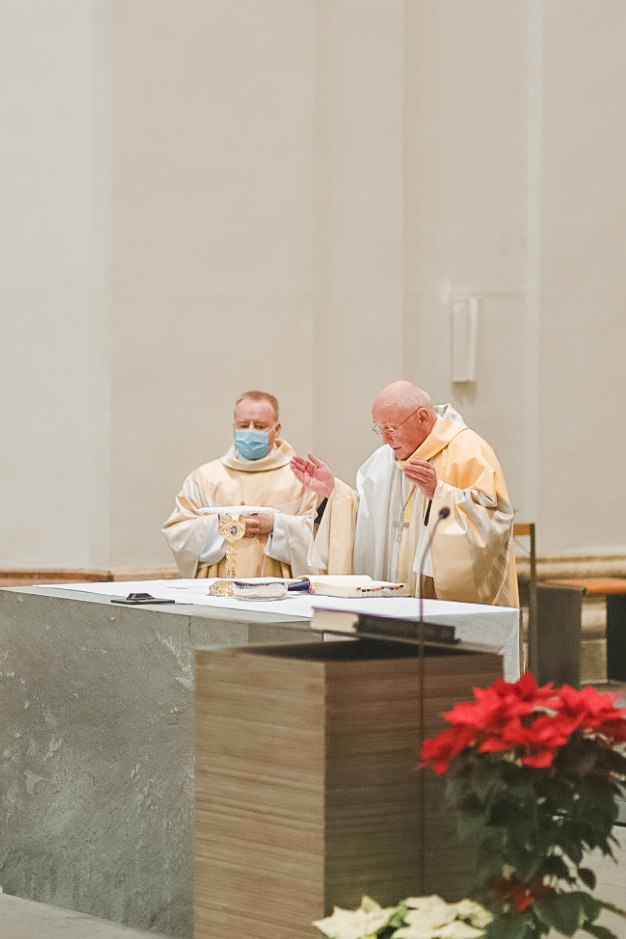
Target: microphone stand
x,y
443,513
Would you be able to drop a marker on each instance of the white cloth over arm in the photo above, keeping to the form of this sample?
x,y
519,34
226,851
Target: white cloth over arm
x,y
192,530
472,555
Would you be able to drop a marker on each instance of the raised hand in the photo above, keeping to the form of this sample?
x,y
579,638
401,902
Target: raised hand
x,y
422,474
314,474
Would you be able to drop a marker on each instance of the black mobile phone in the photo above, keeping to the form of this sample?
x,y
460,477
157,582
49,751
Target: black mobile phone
x,y
136,599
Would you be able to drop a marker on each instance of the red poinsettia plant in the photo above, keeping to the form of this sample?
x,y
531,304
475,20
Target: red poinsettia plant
x,y
533,775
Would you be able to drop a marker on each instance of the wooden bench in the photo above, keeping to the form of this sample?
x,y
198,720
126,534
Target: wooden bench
x,y
614,591
24,576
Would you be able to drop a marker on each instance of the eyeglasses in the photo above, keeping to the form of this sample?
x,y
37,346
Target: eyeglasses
x,y
392,431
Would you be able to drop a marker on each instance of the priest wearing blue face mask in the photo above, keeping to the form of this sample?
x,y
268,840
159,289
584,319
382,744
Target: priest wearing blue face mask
x,y
255,472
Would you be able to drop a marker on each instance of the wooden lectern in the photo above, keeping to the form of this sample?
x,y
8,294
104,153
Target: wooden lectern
x,y
307,791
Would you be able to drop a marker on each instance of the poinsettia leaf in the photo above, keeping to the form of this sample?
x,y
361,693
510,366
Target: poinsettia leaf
x,y
555,866
570,846
600,932
469,826
588,877
455,788
617,763
397,917
561,911
526,865
597,814
511,927
592,907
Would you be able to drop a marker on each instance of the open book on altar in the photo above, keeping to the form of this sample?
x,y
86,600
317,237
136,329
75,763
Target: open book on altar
x,y
346,586
353,586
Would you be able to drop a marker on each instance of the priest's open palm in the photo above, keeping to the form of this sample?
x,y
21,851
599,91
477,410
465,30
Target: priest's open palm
x,y
314,474
422,474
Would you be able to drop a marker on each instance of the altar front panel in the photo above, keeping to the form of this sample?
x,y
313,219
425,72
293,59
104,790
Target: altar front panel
x,y
307,789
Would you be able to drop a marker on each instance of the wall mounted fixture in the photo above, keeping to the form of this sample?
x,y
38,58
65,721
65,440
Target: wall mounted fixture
x,y
463,338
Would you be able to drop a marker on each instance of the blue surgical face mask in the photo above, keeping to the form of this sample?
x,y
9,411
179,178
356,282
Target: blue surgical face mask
x,y
252,444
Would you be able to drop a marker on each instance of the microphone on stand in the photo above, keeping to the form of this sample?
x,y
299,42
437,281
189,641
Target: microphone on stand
x,y
443,513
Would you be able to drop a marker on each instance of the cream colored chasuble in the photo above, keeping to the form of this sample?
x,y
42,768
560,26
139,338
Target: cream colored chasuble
x,y
471,556
405,550
193,532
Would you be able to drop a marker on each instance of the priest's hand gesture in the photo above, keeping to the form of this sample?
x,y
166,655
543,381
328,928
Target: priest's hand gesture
x,y
314,474
422,474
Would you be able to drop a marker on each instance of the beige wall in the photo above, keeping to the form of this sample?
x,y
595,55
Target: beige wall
x,y
54,283
208,195
583,275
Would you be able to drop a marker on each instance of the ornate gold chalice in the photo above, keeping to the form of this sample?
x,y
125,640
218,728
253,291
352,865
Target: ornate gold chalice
x,y
232,529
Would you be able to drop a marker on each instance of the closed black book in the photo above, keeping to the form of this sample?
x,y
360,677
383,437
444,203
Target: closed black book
x,y
395,628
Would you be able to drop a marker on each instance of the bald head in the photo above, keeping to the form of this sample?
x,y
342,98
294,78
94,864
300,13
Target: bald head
x,y
404,414
403,394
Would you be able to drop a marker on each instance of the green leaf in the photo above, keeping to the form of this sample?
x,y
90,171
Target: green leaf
x,y
512,927
588,877
397,918
591,905
561,911
600,932
470,826
455,789
555,866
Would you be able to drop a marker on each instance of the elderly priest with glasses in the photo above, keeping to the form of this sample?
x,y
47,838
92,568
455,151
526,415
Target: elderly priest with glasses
x,y
255,477
430,460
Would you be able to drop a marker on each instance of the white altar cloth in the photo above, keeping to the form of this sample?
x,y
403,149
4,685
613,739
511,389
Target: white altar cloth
x,y
493,626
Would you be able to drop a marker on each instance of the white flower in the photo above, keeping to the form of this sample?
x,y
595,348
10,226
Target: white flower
x,y
355,924
424,918
433,918
456,929
476,914
425,903
412,932
459,930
